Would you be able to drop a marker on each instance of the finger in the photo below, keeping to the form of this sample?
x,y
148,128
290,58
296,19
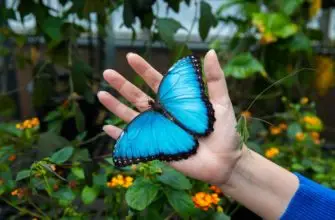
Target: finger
x,y
119,109
151,76
127,89
112,131
217,87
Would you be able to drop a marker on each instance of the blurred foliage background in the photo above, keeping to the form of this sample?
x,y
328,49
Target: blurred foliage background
x,y
54,159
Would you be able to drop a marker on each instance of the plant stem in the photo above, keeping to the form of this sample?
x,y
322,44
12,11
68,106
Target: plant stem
x,y
22,210
170,216
38,209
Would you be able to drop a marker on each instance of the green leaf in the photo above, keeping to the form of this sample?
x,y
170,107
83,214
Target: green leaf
x,y
110,160
141,194
65,196
78,172
293,129
174,179
299,42
167,27
174,4
62,155
244,66
289,6
7,107
221,216
52,27
277,24
23,174
181,202
79,73
227,4
49,142
207,19
89,194
81,155
128,14
99,179
79,118
242,129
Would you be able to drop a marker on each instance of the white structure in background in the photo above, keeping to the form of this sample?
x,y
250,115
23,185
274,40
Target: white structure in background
x,y
121,34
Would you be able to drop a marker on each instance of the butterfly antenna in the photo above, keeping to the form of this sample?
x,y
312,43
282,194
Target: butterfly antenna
x,y
276,83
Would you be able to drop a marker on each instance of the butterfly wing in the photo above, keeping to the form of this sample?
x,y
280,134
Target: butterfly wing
x,y
182,96
152,136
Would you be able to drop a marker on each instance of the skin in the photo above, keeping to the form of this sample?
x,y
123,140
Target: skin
x,y
246,176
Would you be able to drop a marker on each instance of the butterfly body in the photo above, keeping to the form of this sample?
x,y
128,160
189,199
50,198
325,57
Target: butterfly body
x,y
169,129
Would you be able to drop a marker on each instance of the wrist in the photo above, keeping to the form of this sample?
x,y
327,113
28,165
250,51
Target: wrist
x,y
261,185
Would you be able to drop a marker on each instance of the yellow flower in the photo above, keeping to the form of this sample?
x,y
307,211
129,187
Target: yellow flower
x,y
121,181
275,130
300,136
312,123
272,152
219,209
29,123
304,100
268,38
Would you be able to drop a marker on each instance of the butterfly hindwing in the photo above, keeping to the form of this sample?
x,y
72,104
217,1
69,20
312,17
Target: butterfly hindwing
x,y
183,96
152,136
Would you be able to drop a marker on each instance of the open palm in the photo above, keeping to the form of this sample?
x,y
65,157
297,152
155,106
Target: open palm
x,y
217,153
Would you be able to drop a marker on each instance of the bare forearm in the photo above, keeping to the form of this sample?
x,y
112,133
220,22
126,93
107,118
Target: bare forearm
x,y
261,185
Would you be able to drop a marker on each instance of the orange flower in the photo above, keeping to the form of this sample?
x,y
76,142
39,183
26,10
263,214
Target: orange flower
x,y
216,189
12,157
275,130
204,200
19,192
283,126
316,137
272,152
300,136
246,114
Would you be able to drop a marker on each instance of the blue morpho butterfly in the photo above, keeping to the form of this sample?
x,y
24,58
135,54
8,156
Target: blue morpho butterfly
x,y
169,130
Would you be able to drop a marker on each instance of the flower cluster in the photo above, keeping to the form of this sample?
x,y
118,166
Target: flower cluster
x,y
312,122
316,137
272,152
205,201
12,157
120,180
299,136
216,189
276,130
19,192
29,123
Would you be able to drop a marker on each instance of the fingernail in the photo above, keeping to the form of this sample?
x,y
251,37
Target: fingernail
x,y
212,51
130,54
104,128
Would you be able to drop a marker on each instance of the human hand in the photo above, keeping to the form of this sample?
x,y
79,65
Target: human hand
x,y
218,153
